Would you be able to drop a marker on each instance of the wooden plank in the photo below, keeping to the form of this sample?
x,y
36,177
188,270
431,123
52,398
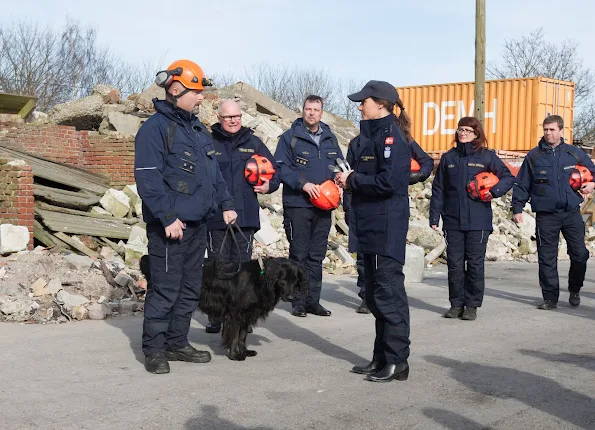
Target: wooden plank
x,y
28,108
76,245
60,173
47,238
49,207
75,224
119,249
64,198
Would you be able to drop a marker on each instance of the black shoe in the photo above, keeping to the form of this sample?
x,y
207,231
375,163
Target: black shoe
x,y
369,369
156,363
390,372
574,299
213,327
298,311
547,305
250,330
469,314
318,309
363,308
189,354
454,312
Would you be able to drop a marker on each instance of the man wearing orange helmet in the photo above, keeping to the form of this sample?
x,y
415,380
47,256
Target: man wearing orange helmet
x,y
545,180
181,186
234,146
304,153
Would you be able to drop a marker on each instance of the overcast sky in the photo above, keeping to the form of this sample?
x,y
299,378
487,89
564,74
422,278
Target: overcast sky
x,y
404,42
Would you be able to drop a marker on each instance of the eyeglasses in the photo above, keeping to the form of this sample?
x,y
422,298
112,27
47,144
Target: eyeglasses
x,y
231,117
465,131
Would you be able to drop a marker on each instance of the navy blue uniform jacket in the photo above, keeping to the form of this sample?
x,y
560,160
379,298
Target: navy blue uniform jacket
x,y
232,152
450,199
379,213
544,178
307,162
183,181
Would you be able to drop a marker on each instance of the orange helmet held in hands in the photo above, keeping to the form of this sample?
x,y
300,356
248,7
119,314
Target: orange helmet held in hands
x,y
480,186
415,167
578,176
329,196
257,168
186,72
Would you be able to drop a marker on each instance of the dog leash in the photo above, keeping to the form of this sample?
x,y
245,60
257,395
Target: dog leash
x,y
230,231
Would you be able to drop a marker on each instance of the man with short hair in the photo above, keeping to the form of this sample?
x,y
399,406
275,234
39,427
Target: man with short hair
x,y
181,187
544,179
304,154
234,146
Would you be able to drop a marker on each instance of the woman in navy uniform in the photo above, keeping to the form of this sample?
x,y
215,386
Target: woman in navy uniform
x,y
378,225
467,223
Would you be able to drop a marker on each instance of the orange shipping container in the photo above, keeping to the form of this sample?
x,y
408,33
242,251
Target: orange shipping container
x,y
514,111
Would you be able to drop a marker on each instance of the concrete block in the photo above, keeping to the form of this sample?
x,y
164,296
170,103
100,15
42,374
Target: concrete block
x,y
13,238
116,202
81,262
135,201
267,235
414,263
344,255
98,210
138,235
71,301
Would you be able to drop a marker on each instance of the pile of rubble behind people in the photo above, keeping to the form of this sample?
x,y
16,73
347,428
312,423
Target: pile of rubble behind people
x,y
97,277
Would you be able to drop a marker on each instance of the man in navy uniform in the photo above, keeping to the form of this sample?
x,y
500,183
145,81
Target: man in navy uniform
x,y
181,186
304,154
544,181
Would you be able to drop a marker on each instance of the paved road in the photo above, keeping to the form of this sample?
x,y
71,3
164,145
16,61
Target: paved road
x,y
516,367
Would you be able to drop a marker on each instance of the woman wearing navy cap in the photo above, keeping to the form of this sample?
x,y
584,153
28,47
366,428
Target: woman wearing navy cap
x,y
378,224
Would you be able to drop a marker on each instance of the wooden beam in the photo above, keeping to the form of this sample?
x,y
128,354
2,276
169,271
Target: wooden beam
x,y
65,198
60,173
52,208
75,224
47,238
76,245
480,60
28,108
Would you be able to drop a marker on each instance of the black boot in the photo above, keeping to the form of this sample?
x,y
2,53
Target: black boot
x,y
156,363
574,299
454,312
214,326
369,369
547,305
363,308
189,354
469,314
390,372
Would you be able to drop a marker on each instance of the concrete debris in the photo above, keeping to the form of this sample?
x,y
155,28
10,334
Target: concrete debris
x,y
116,202
13,238
414,263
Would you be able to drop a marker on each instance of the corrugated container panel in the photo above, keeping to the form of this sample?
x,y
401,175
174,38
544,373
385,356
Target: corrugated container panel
x,y
515,110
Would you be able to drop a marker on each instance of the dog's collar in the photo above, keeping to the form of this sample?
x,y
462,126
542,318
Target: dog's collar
x,y
261,264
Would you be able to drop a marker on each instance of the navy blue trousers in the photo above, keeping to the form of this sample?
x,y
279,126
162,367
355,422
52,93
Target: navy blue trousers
x,y
465,257
174,288
549,226
307,232
387,300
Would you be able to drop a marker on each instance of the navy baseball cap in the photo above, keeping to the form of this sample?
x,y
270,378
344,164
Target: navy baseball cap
x,y
379,89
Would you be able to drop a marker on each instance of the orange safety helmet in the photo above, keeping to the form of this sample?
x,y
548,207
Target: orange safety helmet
x,y
329,196
187,72
480,186
578,176
415,167
257,168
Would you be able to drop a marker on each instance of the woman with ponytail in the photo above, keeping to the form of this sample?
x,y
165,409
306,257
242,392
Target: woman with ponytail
x,y
378,223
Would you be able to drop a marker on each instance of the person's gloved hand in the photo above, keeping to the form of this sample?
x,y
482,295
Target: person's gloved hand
x,y
416,177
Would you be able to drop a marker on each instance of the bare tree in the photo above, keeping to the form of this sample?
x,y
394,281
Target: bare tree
x,y
532,55
59,66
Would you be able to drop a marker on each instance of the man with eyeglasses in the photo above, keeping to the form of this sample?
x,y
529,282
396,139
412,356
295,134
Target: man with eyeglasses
x,y
304,153
234,146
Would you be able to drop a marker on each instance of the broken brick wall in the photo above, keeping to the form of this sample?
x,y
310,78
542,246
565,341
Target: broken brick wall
x,y
16,195
111,156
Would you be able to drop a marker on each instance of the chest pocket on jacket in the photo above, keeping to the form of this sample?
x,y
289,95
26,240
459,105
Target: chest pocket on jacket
x,y
542,174
183,173
303,153
246,153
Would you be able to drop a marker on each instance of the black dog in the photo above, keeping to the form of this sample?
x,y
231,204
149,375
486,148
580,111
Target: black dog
x,y
242,298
